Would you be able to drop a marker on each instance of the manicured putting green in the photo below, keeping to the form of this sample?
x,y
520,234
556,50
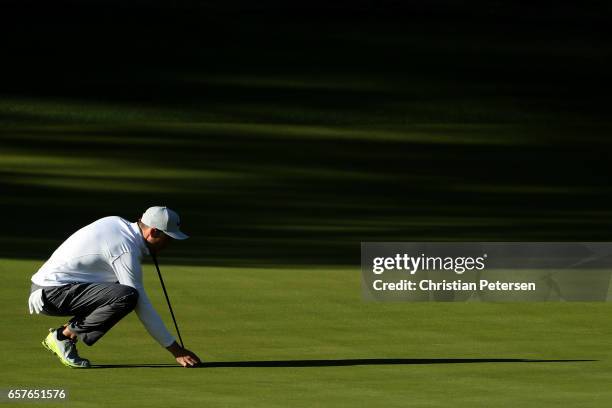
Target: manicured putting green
x,y
304,338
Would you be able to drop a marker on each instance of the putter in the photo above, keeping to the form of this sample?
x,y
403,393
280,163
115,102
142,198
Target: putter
x,y
167,298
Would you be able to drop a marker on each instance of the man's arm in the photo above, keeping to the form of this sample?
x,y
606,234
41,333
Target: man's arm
x,y
129,272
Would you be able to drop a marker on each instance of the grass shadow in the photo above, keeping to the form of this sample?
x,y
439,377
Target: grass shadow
x,y
345,362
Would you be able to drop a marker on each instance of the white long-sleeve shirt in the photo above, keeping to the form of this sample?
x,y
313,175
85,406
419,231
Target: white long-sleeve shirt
x,y
107,250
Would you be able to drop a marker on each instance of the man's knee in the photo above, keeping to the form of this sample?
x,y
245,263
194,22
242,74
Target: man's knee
x,y
129,296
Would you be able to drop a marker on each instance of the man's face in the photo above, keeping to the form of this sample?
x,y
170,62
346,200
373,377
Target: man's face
x,y
158,240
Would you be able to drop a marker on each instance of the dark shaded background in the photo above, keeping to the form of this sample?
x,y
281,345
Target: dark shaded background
x,y
288,133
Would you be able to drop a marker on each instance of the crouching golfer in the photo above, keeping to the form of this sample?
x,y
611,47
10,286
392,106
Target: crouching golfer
x,y
95,276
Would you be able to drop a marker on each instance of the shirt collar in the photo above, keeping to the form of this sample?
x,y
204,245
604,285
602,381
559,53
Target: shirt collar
x,y
139,238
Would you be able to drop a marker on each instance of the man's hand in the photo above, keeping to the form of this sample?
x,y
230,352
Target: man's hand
x,y
183,356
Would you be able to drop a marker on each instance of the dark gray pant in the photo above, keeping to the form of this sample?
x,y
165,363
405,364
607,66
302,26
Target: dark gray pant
x,y
96,307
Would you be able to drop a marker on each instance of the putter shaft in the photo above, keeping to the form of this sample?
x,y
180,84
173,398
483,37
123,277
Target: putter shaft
x,y
167,298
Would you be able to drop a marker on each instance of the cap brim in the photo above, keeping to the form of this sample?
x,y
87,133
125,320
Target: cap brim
x,y
176,235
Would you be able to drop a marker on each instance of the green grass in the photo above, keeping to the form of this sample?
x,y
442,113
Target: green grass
x,y
330,135
242,315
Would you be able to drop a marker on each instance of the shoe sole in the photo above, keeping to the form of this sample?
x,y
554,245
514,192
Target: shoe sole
x,y
56,353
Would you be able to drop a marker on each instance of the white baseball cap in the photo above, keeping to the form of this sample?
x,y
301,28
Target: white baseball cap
x,y
164,219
